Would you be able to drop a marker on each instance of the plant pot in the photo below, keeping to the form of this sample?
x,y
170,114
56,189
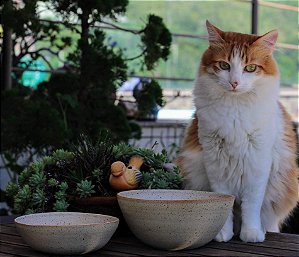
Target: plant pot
x,y
106,205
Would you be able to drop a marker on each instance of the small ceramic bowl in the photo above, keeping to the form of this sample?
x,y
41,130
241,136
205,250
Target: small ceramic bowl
x,y
66,232
175,219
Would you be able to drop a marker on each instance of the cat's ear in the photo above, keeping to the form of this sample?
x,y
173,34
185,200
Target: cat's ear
x,y
214,33
268,40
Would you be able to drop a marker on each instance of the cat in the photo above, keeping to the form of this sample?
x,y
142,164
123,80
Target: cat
x,y
241,140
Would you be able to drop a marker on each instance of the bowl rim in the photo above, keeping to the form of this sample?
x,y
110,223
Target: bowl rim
x,y
219,197
20,223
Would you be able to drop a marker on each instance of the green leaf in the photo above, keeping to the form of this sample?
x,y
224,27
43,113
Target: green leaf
x,y
11,189
52,182
85,188
38,198
37,180
63,186
60,195
22,199
37,166
61,154
60,205
161,179
29,211
48,160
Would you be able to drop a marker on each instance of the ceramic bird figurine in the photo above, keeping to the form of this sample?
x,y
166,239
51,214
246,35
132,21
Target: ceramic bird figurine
x,y
126,178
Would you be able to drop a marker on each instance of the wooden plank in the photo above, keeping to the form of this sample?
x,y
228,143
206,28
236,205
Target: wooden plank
x,y
24,250
7,255
231,250
8,225
12,239
143,250
219,252
253,249
279,237
107,254
8,230
207,251
199,251
20,251
135,242
8,219
127,240
272,244
283,237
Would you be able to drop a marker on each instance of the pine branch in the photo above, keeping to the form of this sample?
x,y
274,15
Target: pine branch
x,y
123,29
136,57
46,61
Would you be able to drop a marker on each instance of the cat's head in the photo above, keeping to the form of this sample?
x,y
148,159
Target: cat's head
x,y
238,61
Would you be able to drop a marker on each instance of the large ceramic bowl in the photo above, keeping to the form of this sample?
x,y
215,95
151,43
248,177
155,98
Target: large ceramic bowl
x,y
175,219
66,232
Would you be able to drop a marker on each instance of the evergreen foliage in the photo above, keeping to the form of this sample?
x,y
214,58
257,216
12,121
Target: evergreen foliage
x,y
148,97
155,38
83,99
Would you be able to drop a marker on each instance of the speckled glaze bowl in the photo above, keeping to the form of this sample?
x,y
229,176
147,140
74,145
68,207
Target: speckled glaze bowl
x,y
66,232
175,219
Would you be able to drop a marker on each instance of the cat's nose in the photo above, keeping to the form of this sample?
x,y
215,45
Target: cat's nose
x,y
234,84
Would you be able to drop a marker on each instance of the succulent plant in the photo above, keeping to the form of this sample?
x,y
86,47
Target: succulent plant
x,y
161,179
39,188
85,188
50,183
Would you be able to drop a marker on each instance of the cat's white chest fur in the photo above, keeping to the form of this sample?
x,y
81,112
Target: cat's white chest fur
x,y
236,132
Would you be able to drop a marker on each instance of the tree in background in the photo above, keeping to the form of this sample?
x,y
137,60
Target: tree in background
x,y
82,100
31,37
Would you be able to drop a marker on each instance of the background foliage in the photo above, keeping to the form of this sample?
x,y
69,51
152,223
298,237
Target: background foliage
x,y
81,100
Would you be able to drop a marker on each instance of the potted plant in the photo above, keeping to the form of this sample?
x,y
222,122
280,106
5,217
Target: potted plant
x,y
78,180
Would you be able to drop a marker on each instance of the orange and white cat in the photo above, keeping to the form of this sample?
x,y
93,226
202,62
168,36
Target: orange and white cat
x,y
241,141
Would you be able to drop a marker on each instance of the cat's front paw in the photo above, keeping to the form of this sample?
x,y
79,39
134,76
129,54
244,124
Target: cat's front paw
x,y
224,235
252,235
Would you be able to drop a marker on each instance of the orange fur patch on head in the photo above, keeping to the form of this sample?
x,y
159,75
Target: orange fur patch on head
x,y
252,49
263,58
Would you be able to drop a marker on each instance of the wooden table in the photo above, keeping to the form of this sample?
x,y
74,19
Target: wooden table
x,y
276,244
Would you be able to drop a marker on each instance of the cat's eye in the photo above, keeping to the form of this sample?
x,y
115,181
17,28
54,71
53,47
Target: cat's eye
x,y
250,68
224,65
